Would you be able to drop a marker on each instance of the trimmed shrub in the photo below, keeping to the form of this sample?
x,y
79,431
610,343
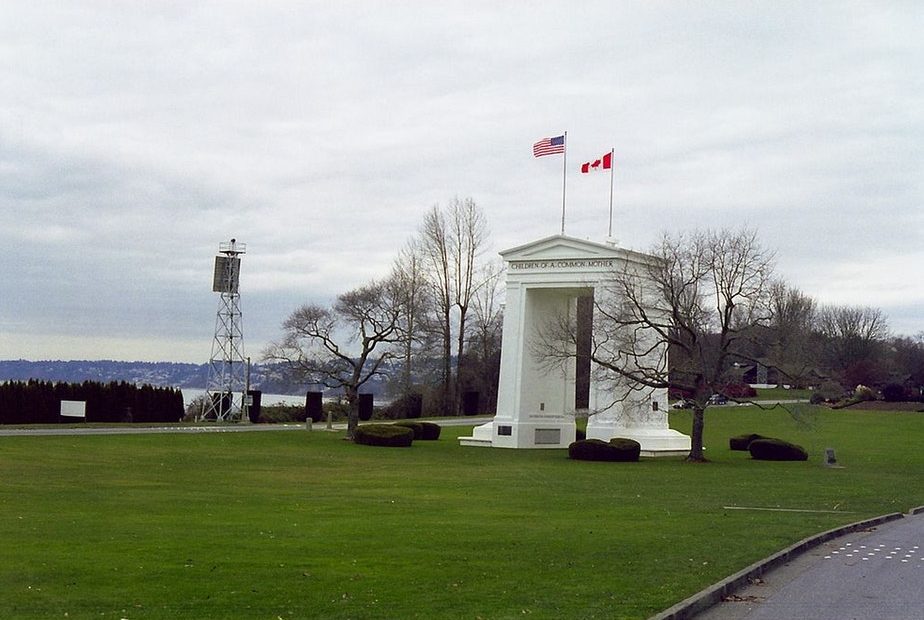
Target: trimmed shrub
x,y
894,392
829,391
629,448
741,442
424,431
281,414
417,427
776,450
591,450
388,435
431,431
616,450
739,390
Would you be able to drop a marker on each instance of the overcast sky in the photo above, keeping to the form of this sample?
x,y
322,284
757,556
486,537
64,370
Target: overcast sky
x,y
135,137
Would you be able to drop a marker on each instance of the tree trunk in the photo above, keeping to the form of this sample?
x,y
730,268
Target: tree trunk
x,y
696,436
448,393
353,416
460,346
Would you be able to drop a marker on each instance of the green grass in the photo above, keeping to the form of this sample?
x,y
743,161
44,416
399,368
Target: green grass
x,y
305,525
778,393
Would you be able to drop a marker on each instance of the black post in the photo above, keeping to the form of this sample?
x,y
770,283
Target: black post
x,y
313,406
256,398
414,405
470,403
365,407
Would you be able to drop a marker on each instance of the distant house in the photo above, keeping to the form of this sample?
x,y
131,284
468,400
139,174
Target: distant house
x,y
756,375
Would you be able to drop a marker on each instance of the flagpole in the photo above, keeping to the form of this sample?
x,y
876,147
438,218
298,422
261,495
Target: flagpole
x,y
564,176
612,168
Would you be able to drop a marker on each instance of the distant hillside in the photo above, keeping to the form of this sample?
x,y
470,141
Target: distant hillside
x,y
266,377
76,371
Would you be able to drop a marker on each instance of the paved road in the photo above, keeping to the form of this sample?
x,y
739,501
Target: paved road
x,y
205,428
872,575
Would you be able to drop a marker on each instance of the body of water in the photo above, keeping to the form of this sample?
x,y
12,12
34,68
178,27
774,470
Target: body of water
x,y
190,394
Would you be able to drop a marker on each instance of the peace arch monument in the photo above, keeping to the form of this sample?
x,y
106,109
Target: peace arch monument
x,y
537,402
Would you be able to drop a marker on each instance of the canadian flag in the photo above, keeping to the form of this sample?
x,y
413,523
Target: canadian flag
x,y
604,163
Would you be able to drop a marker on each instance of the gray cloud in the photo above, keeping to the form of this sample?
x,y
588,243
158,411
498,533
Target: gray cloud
x,y
134,139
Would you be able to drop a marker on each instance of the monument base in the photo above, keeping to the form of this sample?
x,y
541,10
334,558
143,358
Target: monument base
x,y
482,436
506,433
654,441
540,431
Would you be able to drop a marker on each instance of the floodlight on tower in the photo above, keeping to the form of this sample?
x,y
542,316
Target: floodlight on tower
x,y
226,387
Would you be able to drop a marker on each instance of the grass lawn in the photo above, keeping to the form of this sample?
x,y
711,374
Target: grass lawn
x,y
778,393
301,524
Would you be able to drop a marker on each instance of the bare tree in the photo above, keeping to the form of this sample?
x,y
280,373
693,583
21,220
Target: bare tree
x,y
468,234
485,331
435,247
451,242
853,338
409,270
344,345
694,300
907,361
487,306
791,344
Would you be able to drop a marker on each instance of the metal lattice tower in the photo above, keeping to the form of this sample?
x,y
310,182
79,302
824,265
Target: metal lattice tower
x,y
226,385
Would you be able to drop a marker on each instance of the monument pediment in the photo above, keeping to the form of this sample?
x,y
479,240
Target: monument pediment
x,y
559,247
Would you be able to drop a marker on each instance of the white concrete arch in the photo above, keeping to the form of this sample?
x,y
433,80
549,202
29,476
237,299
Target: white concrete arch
x,y
536,402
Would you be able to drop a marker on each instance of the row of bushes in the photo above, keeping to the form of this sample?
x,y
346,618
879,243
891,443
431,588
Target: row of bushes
x,y
833,392
39,402
767,448
730,390
618,449
338,411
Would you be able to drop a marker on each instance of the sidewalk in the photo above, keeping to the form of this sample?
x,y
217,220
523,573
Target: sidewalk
x,y
876,572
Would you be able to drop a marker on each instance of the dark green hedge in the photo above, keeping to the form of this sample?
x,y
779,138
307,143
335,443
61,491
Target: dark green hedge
x,y
629,448
39,402
388,435
776,450
741,442
414,426
282,414
425,431
617,449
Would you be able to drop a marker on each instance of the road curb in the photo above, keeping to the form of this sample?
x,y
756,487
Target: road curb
x,y
718,591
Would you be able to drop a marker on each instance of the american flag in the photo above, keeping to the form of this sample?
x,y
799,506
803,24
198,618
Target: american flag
x,y
549,146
